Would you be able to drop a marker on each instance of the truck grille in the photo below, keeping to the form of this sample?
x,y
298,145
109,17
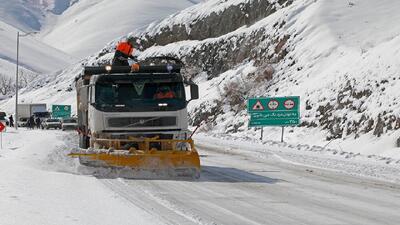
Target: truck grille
x,y
128,122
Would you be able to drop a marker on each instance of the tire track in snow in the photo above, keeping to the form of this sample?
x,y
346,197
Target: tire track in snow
x,y
135,195
132,198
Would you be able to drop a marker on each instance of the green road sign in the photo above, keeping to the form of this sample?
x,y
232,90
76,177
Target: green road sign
x,y
279,111
61,111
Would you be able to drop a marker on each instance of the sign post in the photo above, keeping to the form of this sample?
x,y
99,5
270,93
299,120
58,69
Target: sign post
x,y
2,127
61,111
274,111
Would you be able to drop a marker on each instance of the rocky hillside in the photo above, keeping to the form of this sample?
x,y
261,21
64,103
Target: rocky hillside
x,y
213,37
320,50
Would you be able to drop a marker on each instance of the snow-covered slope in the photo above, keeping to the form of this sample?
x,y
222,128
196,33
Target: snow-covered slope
x,y
40,186
21,14
34,55
340,57
30,14
91,24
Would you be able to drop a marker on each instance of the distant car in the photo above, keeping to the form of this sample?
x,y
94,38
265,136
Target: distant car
x,y
22,122
51,123
69,124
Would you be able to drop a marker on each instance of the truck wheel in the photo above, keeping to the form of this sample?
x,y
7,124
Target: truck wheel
x,y
84,141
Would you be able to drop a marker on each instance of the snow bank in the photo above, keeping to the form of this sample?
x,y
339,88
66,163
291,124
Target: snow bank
x,y
326,157
35,189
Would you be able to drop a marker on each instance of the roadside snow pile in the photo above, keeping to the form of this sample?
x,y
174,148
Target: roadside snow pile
x,y
39,187
373,166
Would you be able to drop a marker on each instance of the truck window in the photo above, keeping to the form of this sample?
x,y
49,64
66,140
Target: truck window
x,y
140,94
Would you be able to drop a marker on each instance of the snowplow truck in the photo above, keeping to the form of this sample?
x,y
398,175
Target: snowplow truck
x,y
136,117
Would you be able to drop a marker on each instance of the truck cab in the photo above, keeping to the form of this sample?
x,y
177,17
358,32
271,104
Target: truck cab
x,y
136,118
148,103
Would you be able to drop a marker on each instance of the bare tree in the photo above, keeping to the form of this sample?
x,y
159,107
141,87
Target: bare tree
x,y
6,84
25,79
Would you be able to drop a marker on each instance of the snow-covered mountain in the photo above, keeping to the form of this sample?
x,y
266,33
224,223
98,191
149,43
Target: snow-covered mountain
x,y
30,15
86,26
26,16
56,22
34,55
82,27
340,57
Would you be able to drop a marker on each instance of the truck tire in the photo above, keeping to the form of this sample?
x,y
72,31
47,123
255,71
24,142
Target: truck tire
x,y
84,141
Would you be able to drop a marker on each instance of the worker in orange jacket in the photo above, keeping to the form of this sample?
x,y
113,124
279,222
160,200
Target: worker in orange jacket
x,y
123,51
164,92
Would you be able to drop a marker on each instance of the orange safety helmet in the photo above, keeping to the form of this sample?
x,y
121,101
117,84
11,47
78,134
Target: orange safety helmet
x,y
125,47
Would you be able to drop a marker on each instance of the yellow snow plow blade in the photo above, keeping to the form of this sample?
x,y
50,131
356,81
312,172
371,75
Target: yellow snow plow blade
x,y
178,156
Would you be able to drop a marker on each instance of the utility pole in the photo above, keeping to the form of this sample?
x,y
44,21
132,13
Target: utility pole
x,y
16,86
16,77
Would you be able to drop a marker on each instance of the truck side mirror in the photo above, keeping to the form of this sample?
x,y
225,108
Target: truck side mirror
x,y
194,91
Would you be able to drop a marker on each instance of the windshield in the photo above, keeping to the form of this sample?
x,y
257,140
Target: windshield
x,y
140,95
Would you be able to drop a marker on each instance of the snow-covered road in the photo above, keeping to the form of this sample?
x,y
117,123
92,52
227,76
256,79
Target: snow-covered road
x,y
237,189
40,185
